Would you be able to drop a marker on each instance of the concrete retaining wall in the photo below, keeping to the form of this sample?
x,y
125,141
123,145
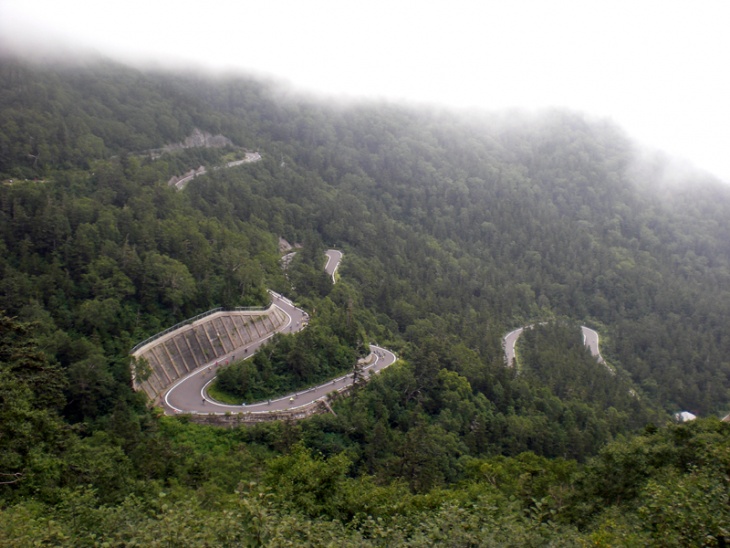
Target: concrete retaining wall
x,y
179,352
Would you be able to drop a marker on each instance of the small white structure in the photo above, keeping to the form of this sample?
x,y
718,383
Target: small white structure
x,y
684,416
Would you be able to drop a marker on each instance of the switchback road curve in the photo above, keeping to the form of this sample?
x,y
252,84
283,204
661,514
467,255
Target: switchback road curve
x,y
590,339
189,394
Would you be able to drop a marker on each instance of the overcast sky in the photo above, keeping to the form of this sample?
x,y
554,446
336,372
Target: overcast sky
x,y
659,69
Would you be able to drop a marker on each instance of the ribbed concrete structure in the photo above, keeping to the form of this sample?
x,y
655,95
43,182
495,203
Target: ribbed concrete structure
x,y
195,345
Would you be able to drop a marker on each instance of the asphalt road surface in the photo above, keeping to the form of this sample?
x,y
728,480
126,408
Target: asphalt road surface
x,y
189,395
333,262
590,339
510,340
248,158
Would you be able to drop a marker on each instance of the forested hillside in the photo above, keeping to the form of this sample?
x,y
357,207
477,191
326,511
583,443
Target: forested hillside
x,y
457,228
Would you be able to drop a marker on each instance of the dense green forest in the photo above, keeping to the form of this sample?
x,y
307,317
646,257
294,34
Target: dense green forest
x,y
457,227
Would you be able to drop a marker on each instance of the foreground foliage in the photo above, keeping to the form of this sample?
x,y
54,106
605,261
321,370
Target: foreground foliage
x,y
672,490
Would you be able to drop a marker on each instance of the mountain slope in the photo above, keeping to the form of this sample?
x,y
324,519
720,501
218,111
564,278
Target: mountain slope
x,y
457,227
503,217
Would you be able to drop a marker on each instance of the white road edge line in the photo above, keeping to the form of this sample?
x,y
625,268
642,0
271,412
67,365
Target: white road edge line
x,y
202,368
334,381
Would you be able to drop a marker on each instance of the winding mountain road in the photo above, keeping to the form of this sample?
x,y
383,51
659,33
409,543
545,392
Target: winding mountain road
x,y
590,339
189,394
179,183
